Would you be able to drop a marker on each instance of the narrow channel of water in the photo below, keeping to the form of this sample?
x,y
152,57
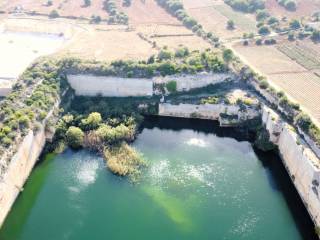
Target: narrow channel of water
x,y
200,184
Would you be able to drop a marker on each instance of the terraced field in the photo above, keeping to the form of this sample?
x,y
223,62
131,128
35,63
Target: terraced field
x,y
307,57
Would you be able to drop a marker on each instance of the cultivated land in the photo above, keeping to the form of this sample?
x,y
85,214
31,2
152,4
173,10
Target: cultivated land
x,y
290,66
214,15
304,8
64,7
150,28
284,73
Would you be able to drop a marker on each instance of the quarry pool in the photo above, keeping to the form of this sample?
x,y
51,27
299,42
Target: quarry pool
x,y
200,184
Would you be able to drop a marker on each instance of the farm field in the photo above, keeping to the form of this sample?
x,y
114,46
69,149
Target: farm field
x,y
307,57
147,12
110,42
244,22
299,83
304,8
214,22
214,15
64,7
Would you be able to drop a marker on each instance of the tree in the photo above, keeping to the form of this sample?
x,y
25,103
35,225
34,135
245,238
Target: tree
x,y
227,55
165,54
291,36
262,14
49,3
126,3
259,41
171,86
264,30
54,14
92,121
295,24
291,5
315,35
87,3
230,25
95,19
74,137
272,20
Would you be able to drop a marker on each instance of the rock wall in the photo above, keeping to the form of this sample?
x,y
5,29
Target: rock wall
x,y
189,82
19,170
301,162
204,111
234,115
90,85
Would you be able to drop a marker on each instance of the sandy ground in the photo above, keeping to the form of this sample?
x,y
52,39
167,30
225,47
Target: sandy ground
x,y
18,50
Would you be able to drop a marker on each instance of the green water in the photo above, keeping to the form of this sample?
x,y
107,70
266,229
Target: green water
x,y
197,186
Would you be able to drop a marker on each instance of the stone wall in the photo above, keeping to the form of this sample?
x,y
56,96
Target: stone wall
x,y
19,170
301,162
90,85
209,111
189,82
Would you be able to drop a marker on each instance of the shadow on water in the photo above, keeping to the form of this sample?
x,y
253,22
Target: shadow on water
x,y
21,209
277,175
279,180
198,125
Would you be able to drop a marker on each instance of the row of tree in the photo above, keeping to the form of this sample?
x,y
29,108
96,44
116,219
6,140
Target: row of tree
x,y
247,6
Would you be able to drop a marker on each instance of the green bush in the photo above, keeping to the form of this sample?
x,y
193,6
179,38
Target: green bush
x,y
171,86
264,84
92,121
264,30
165,54
74,137
54,14
295,24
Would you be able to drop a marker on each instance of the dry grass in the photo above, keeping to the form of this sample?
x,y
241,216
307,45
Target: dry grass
x,y
108,43
123,160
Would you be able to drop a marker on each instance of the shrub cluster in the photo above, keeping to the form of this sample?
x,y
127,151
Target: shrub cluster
x,y
109,137
165,63
290,5
247,6
115,16
306,125
32,97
